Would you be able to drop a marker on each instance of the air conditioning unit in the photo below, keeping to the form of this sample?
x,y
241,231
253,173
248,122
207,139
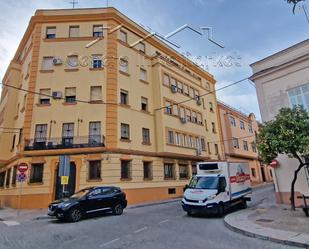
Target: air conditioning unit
x,y
198,152
57,95
57,61
183,120
173,89
198,101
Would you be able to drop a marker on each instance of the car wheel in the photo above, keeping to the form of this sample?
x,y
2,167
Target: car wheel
x,y
244,204
220,210
75,215
189,213
118,209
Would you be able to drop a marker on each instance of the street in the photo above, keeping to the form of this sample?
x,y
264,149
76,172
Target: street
x,y
159,226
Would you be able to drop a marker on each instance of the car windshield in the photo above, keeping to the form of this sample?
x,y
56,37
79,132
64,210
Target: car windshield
x,y
80,193
202,182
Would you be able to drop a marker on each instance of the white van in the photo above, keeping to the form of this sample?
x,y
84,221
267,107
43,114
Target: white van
x,y
217,186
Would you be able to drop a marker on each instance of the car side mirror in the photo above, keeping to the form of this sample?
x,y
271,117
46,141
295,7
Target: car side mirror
x,y
185,187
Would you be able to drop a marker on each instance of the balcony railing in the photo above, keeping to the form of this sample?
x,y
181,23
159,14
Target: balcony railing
x,y
65,142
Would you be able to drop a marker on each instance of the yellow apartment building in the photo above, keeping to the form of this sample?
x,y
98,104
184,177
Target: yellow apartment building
x,y
239,138
126,110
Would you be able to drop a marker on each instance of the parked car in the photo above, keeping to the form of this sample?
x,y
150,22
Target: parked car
x,y
89,200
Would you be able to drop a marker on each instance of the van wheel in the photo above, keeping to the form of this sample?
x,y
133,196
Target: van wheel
x,y
220,210
244,204
189,213
118,209
75,215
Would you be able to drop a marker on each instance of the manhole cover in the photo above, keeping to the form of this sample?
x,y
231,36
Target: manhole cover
x,y
264,220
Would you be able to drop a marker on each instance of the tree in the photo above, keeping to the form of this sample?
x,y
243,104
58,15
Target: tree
x,y
294,2
287,133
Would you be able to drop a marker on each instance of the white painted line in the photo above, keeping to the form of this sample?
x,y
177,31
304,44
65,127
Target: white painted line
x,y
163,221
109,242
11,223
140,230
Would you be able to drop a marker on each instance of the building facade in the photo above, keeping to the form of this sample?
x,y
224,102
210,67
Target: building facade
x,y
127,111
282,81
239,137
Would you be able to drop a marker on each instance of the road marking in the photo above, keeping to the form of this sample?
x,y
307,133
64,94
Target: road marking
x,y
163,221
11,223
140,230
109,242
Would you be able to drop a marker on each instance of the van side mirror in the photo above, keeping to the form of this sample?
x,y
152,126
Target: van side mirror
x,y
185,187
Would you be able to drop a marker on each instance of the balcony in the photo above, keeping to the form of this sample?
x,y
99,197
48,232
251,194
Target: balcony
x,y
65,143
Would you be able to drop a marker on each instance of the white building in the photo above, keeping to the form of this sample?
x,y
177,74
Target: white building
x,y
282,80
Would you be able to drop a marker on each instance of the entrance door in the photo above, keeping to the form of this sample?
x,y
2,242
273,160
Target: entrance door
x,y
263,174
70,188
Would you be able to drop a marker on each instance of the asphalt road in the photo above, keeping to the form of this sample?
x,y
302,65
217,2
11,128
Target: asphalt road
x,y
151,227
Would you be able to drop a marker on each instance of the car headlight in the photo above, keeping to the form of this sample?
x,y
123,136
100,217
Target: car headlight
x,y
211,197
64,205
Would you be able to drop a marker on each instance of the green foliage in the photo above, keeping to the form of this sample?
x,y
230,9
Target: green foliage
x,y
287,134
294,2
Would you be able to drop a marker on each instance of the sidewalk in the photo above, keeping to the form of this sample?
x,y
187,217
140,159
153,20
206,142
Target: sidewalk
x,y
276,223
10,214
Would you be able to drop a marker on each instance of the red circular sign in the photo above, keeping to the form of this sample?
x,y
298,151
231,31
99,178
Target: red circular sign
x,y
23,167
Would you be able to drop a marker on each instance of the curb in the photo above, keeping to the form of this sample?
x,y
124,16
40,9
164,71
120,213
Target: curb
x,y
153,203
261,236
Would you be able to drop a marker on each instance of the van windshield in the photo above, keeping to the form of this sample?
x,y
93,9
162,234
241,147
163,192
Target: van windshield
x,y
204,182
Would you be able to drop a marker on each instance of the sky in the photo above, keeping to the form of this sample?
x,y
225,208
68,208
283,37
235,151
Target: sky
x,y
249,30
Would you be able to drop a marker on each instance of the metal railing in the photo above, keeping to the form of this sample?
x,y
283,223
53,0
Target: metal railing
x,y
65,142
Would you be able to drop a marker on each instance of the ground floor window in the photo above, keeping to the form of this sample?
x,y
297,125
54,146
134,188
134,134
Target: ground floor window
x,y
169,172
183,171
147,170
194,169
253,173
36,173
8,178
94,170
2,178
14,176
125,169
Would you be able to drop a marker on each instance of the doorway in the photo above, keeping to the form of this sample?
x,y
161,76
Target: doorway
x,y
263,174
70,188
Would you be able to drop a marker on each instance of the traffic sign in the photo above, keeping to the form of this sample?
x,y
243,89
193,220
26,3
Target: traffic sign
x,y
64,180
21,177
23,167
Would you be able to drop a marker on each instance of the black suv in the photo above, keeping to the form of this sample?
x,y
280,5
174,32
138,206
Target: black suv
x,y
89,200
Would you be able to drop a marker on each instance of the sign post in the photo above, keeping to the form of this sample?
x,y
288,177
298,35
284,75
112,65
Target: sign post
x,y
21,177
64,171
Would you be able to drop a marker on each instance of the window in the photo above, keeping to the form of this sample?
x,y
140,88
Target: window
x,y
44,96
72,61
2,179
40,133
125,131
147,170
168,108
188,112
191,141
170,137
197,95
235,143
299,96
13,142
143,74
94,132
253,145
185,89
191,92
95,93
250,128
194,169
36,173
124,65
47,63
177,138
173,83
208,147
166,80
67,133
179,87
216,149
197,143
169,171
232,121
74,31
97,31
211,107
206,126
203,144
123,36
50,32
144,104
8,178
245,145
123,97
175,110
213,125
14,175
97,61
94,172
241,125
194,119
184,140
183,171
146,136
142,47
253,172
125,169
70,94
